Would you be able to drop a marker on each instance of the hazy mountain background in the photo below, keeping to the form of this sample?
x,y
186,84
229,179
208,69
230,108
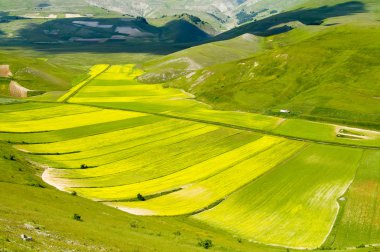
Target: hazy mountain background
x,y
222,14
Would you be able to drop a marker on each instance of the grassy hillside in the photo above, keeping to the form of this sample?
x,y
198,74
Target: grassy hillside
x,y
185,61
161,153
31,207
324,72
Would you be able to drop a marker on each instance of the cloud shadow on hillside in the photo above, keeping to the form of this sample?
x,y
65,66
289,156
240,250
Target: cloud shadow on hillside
x,y
73,35
175,36
277,24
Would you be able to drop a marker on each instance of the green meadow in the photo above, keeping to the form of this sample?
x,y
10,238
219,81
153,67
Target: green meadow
x,y
255,128
264,179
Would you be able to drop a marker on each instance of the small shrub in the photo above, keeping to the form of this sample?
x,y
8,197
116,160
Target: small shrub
x,y
205,244
83,166
140,197
177,233
361,246
12,157
77,217
74,193
239,240
133,224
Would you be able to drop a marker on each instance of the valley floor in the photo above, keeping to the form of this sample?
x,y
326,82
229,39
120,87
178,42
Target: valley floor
x,y
155,151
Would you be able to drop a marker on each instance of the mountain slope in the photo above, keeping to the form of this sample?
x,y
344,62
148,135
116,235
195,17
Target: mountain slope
x,y
185,61
222,14
323,72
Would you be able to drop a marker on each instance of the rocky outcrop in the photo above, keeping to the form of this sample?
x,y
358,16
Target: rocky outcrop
x,y
5,71
16,90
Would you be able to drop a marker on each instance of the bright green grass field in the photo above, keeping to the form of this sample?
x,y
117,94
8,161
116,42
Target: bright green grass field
x,y
198,196
28,206
294,204
105,91
77,132
68,121
360,220
187,159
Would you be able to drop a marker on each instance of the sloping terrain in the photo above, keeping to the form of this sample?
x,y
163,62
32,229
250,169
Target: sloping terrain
x,y
31,207
154,154
290,162
221,14
321,72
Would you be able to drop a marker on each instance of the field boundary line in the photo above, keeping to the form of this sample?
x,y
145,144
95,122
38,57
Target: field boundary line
x,y
265,132
341,207
74,90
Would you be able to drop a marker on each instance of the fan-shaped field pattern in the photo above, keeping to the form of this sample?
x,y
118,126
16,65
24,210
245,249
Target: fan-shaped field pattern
x,y
117,87
271,180
360,219
67,121
294,204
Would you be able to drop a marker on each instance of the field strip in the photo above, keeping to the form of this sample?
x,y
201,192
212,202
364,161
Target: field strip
x,y
115,99
295,204
20,107
201,195
69,121
95,71
182,178
266,132
360,214
161,167
48,113
114,137
77,132
122,150
145,163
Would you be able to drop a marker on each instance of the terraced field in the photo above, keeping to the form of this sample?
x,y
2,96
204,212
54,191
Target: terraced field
x,y
299,195
360,220
150,150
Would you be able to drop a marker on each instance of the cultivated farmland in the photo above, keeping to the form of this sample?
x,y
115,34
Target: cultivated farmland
x,y
151,150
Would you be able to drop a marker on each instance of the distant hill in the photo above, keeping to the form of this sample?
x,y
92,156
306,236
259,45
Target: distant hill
x,y
198,57
222,14
319,63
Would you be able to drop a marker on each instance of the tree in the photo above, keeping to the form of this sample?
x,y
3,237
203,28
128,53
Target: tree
x,y
205,244
140,197
77,217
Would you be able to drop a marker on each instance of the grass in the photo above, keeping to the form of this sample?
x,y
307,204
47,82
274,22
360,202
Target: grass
x,y
131,95
151,169
155,150
322,73
295,204
68,121
194,173
37,210
114,137
358,223
198,196
94,71
77,132
148,165
45,113
184,158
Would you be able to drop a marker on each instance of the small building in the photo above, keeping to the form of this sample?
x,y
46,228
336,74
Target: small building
x,y
284,111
